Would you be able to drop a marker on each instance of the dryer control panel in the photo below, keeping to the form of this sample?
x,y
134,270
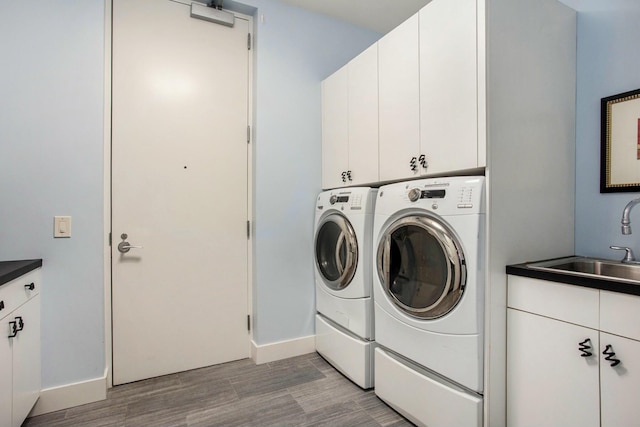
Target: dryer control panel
x,y
454,194
416,193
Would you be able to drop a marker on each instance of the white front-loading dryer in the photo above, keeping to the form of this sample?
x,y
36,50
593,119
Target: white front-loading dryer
x,y
343,278
428,283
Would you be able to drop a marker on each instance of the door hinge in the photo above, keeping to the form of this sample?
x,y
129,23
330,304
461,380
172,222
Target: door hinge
x,y
249,322
249,41
248,134
248,229
109,239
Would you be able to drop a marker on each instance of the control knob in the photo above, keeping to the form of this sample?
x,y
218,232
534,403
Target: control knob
x,y
333,199
414,194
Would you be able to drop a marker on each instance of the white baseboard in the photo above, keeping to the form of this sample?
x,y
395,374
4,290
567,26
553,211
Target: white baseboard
x,y
80,393
282,350
69,395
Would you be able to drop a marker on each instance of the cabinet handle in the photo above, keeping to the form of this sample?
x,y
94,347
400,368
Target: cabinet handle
x,y
412,163
349,176
610,355
584,347
20,323
423,161
31,286
344,177
1,305
13,328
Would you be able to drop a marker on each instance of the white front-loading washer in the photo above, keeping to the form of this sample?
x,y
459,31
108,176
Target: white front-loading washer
x,y
343,272
428,286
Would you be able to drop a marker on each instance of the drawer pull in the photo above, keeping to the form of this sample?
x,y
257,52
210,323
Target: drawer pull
x,y
423,161
1,305
20,323
413,164
13,328
610,355
584,347
31,286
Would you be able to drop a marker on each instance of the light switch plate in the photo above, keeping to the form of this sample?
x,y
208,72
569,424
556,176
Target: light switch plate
x,y
61,226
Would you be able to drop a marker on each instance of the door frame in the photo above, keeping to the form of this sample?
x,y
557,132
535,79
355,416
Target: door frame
x,y
108,333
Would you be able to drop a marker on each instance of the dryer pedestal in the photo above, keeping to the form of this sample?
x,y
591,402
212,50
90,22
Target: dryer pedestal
x,y
407,388
345,351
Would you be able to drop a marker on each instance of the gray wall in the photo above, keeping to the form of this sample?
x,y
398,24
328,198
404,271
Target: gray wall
x,y
608,64
51,163
296,49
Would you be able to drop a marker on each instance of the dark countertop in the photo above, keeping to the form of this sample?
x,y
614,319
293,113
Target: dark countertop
x,y
10,270
606,284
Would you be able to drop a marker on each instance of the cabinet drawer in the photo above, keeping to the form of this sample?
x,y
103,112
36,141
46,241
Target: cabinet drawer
x,y
569,303
15,293
620,314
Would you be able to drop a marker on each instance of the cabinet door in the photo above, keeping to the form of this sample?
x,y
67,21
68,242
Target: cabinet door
x,y
363,117
448,85
26,360
6,377
335,157
548,382
399,101
620,384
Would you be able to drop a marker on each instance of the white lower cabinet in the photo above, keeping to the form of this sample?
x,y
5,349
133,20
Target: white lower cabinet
x,y
561,372
20,379
620,385
6,376
26,360
548,382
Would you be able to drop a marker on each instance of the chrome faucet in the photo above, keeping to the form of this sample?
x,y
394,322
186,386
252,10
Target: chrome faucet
x,y
626,223
629,257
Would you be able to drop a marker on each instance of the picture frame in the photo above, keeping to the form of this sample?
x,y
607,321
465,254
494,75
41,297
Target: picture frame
x,y
620,143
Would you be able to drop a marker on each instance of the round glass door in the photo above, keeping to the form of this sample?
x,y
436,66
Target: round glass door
x,y
336,251
421,266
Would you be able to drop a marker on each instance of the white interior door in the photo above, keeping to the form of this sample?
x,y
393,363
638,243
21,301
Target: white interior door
x,y
179,190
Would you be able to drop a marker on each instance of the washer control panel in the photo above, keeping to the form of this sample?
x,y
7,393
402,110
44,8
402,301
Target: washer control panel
x,y
356,199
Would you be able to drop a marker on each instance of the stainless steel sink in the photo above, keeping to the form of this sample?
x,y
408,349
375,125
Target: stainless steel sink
x,y
592,267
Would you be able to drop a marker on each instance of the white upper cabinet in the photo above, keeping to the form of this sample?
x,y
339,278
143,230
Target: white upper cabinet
x,y
350,123
429,93
449,85
363,117
418,111
399,102
335,132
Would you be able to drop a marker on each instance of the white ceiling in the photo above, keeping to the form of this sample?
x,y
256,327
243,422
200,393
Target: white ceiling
x,y
384,15
377,15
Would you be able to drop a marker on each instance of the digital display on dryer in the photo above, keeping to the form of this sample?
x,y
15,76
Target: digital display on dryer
x,y
342,199
433,194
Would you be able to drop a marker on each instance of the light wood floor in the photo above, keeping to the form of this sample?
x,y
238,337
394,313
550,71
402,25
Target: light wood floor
x,y
301,391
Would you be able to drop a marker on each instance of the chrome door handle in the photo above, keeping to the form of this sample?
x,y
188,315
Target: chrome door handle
x,y
124,247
